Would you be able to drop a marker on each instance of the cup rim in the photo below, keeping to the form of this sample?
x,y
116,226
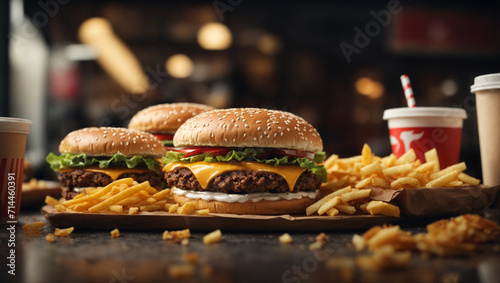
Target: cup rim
x,y
486,82
15,125
406,112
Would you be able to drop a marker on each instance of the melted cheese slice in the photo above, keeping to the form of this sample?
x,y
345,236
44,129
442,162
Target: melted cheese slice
x,y
114,173
206,171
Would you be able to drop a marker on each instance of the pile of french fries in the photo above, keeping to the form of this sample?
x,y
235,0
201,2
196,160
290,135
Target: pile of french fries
x,y
124,196
351,180
391,247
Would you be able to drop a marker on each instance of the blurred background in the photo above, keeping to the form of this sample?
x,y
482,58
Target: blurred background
x,y
335,63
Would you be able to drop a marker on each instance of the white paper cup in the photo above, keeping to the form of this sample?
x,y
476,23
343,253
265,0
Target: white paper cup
x,y
13,134
487,90
425,128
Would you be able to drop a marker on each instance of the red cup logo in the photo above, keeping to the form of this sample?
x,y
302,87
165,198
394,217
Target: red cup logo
x,y
445,140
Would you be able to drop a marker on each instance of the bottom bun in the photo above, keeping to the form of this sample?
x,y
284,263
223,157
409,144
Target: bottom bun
x,y
261,207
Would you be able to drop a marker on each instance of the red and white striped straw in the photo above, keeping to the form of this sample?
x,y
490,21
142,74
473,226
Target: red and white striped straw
x,y
410,99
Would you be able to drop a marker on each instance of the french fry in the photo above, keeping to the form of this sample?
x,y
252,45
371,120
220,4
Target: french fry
x,y
335,183
363,183
173,208
315,206
329,204
366,155
330,161
181,234
50,238
116,208
332,211
407,157
64,232
443,180
376,207
371,168
212,237
100,192
383,237
347,209
455,184
115,233
380,182
355,194
133,210
358,242
468,179
459,167
205,211
34,227
404,182
390,160
162,194
285,239
118,197
153,207
188,207
51,201
427,167
398,169
430,156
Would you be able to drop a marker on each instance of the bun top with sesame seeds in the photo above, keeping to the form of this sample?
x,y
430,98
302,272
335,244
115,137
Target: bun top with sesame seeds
x,y
249,127
108,141
165,118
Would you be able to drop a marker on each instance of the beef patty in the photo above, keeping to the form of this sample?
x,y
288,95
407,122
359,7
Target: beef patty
x,y
242,182
79,178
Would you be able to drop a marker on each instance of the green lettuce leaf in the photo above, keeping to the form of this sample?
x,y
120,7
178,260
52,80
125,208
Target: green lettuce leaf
x,y
168,142
70,160
249,154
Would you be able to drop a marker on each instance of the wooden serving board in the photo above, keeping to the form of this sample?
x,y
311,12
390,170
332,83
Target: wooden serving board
x,y
36,196
227,222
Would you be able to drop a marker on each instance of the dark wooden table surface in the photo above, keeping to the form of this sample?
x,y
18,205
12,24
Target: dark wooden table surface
x,y
93,256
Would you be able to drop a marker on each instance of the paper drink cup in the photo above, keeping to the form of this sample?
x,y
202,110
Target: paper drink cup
x,y
487,90
425,128
13,134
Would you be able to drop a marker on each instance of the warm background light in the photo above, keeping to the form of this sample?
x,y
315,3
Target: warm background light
x,y
179,66
214,36
369,87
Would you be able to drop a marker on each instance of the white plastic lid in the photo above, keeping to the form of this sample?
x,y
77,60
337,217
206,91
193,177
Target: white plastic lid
x,y
406,112
14,125
484,82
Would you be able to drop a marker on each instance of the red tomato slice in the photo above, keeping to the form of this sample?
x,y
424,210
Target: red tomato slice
x,y
190,151
295,153
163,137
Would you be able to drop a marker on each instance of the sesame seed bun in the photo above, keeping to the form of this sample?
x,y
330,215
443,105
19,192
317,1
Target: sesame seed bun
x,y
108,141
165,118
249,127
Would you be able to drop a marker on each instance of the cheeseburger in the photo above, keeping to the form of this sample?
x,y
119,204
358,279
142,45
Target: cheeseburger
x,y
246,161
94,157
163,120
